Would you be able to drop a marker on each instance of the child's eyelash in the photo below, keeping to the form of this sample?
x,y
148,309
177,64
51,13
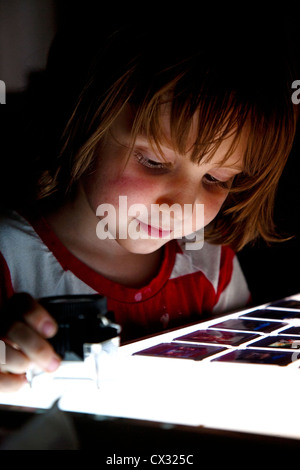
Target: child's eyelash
x,y
210,180
155,165
149,163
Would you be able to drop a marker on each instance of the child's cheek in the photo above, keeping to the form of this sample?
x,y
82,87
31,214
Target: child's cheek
x,y
136,190
212,206
135,187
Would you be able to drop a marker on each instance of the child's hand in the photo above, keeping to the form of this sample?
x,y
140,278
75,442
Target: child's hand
x,y
24,326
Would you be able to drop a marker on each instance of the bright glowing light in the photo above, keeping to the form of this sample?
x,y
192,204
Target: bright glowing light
x,y
239,397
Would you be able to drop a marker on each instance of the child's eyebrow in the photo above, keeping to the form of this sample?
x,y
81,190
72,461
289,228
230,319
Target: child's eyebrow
x,y
233,169
141,139
144,143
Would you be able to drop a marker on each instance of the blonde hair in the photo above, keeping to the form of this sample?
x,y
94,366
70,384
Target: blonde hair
x,y
227,93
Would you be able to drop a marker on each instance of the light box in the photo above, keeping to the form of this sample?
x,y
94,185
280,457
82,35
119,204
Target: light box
x,y
239,372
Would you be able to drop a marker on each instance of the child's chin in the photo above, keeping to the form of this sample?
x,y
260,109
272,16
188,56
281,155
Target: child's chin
x,y
143,247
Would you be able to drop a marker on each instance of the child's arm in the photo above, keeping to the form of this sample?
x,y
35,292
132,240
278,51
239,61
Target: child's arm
x,y
25,326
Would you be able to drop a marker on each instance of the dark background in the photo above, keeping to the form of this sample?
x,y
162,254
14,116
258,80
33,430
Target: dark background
x,y
27,28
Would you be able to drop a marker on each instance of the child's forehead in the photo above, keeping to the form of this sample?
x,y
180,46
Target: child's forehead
x,y
125,125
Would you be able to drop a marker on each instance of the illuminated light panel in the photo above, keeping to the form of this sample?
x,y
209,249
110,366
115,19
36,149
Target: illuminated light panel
x,y
256,398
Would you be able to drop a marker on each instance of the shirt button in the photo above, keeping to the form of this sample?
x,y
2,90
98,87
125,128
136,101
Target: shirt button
x,y
138,297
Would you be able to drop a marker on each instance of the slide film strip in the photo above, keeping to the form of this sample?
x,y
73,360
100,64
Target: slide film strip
x,y
267,335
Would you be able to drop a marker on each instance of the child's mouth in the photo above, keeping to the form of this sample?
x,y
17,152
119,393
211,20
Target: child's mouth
x,y
154,231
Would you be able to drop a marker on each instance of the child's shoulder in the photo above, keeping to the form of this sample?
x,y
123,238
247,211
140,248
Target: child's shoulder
x,y
12,222
15,231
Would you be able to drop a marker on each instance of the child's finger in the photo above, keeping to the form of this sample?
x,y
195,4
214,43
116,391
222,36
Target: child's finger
x,y
15,361
24,306
39,319
37,349
11,382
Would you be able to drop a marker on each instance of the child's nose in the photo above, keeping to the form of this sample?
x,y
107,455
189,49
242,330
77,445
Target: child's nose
x,y
188,193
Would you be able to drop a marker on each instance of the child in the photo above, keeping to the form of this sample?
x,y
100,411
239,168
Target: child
x,y
168,120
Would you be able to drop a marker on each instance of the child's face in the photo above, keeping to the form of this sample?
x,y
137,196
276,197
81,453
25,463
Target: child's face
x,y
146,179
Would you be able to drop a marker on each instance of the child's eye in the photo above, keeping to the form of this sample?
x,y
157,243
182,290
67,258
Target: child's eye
x,y
153,164
211,181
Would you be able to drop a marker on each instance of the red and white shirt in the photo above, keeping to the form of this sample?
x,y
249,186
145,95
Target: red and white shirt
x,y
190,283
